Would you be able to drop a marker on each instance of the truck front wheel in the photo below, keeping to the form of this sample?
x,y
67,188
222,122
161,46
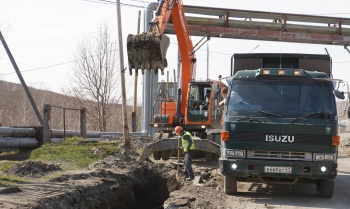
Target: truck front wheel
x,y
230,184
325,188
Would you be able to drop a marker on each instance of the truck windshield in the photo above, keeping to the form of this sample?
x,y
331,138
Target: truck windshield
x,y
288,98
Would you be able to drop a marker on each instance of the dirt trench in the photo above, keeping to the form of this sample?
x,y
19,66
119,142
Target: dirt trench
x,y
139,188
114,182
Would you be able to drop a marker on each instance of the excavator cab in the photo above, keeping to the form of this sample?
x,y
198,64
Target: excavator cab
x,y
199,97
201,102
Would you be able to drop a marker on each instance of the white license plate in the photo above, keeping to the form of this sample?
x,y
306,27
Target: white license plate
x,y
277,169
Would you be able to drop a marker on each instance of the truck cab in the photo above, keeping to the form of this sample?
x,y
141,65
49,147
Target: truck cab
x,y
281,122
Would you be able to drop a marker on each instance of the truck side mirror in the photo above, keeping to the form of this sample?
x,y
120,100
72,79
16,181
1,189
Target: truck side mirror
x,y
339,94
348,112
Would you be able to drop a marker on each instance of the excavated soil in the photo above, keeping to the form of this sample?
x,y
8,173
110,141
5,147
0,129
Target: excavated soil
x,y
32,169
121,181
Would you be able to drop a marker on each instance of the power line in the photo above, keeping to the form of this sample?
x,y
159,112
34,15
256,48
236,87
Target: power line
x,y
39,68
54,65
113,3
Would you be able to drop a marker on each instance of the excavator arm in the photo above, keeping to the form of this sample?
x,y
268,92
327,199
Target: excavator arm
x,y
148,50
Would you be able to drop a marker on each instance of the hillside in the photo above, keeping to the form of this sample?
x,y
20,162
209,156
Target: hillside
x,y
16,110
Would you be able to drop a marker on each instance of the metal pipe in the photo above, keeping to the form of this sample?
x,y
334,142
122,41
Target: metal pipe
x,y
208,58
17,132
64,123
149,90
18,142
55,133
232,64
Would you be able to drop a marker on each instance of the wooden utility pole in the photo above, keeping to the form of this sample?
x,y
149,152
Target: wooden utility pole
x,y
133,114
122,75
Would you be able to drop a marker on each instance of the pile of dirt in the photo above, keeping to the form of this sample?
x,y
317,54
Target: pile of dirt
x,y
32,169
206,191
119,181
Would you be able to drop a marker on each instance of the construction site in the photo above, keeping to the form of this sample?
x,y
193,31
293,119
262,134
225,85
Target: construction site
x,y
281,139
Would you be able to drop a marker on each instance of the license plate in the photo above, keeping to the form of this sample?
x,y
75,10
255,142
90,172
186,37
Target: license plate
x,y
275,169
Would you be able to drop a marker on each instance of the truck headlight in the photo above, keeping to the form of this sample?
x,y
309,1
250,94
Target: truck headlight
x,y
324,156
239,153
230,153
328,157
235,153
319,157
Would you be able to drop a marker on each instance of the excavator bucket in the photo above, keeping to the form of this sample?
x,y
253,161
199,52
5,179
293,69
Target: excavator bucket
x,y
147,51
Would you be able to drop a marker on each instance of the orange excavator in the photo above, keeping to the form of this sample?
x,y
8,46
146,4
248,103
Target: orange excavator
x,y
194,106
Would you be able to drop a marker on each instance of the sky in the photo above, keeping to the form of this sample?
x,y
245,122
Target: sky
x,y
43,36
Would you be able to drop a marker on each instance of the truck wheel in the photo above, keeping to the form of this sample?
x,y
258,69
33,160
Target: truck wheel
x,y
325,188
156,155
165,154
230,184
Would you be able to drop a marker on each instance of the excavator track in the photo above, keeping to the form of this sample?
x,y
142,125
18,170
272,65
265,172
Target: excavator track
x,y
147,51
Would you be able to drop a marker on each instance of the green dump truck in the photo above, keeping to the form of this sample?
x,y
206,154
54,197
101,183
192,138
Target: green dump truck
x,y
280,122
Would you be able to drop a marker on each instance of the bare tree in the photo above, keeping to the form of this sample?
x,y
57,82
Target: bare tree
x,y
94,81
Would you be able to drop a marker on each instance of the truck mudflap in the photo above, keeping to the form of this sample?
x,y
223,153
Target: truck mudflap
x,y
172,143
147,51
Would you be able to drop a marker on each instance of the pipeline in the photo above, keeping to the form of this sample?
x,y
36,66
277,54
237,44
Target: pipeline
x,y
18,142
17,132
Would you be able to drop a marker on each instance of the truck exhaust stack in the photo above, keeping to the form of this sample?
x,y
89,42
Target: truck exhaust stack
x,y
147,51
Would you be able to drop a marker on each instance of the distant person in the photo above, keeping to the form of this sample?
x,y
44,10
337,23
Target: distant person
x,y
188,148
206,99
207,96
224,95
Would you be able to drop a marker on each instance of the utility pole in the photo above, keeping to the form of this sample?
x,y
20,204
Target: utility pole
x,y
133,114
122,75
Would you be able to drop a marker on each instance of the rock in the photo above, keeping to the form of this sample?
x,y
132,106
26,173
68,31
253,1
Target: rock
x,y
197,180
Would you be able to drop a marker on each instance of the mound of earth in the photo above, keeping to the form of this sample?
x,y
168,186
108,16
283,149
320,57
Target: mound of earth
x,y
32,169
119,181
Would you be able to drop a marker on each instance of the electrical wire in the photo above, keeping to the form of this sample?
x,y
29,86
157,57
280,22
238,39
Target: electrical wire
x,y
113,3
54,65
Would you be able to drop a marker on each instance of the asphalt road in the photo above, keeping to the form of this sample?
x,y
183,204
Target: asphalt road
x,y
257,195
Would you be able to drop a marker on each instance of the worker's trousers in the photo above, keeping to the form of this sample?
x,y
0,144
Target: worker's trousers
x,y
188,164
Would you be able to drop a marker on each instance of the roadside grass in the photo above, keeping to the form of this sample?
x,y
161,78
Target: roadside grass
x,y
74,153
7,180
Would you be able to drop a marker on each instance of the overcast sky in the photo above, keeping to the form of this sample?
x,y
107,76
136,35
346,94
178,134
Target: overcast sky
x,y
44,34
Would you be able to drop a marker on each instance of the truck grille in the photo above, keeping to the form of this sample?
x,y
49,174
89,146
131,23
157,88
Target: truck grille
x,y
279,155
